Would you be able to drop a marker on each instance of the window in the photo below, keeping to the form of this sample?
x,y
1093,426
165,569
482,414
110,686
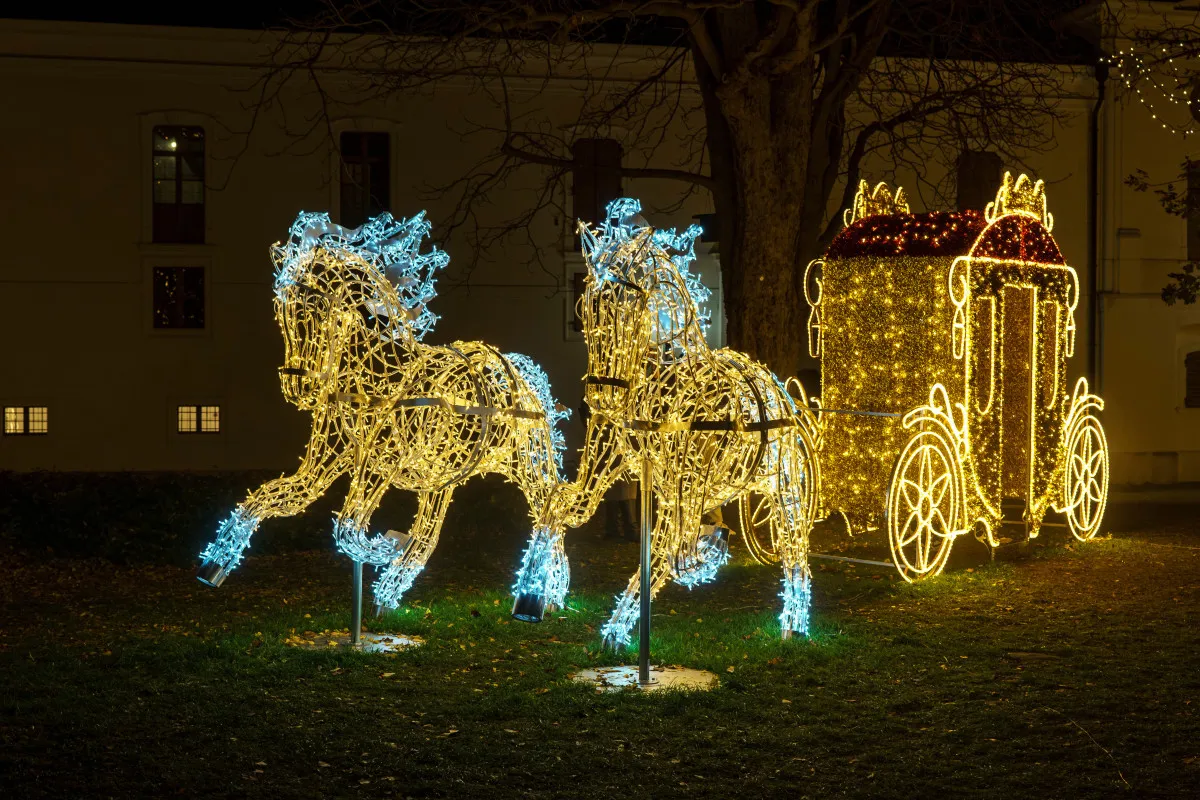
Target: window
x,y
1191,368
1193,210
366,177
596,179
179,297
26,420
199,419
577,290
178,185
979,175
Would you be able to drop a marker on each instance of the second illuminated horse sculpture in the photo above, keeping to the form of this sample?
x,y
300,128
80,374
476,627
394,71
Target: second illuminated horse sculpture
x,y
389,410
714,425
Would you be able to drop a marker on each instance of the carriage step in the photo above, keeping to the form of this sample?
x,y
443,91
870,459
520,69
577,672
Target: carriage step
x,y
1012,528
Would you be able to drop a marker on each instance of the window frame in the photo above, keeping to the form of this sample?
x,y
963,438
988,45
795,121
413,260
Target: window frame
x,y
593,166
194,231
372,163
1191,379
197,417
25,421
204,291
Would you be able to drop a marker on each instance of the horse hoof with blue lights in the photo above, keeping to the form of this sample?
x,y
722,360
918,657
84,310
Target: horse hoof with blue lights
x,y
393,412
708,426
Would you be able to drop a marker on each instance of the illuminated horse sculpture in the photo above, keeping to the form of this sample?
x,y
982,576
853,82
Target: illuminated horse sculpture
x,y
389,410
715,425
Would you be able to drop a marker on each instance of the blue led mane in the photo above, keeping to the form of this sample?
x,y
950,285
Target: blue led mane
x,y
555,413
391,246
624,229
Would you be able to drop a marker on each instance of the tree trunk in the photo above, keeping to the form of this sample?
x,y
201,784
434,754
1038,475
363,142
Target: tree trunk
x,y
758,132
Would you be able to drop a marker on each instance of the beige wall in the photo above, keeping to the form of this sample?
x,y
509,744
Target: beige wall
x,y
75,304
1154,439
81,100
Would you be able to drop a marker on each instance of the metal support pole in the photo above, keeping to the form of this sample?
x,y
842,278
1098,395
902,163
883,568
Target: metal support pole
x,y
356,607
647,511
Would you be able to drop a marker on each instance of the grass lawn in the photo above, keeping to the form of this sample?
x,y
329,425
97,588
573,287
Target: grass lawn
x,y
1073,672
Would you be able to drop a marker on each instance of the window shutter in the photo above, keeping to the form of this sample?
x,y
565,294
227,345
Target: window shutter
x,y
1191,366
1193,210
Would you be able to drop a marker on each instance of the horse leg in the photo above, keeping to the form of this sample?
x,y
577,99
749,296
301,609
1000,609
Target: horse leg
x,y
543,577
351,525
573,504
545,574
397,577
282,497
794,508
625,616
699,553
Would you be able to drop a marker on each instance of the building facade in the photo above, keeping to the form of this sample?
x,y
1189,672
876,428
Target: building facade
x,y
142,194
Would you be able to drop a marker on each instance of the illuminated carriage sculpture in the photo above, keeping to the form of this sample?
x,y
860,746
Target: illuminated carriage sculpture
x,y
943,340
389,410
700,426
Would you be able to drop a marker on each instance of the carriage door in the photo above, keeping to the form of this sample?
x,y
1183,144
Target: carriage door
x,y
1017,381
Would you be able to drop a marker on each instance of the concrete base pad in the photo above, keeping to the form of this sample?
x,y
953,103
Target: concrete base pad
x,y
388,642
369,643
611,679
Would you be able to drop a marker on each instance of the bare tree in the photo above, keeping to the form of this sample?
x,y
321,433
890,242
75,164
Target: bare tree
x,y
777,105
1158,58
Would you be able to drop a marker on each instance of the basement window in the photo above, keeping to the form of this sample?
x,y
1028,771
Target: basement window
x,y
26,420
198,419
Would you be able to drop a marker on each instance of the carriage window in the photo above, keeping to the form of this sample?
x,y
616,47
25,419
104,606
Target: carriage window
x,y
1191,365
979,175
26,420
983,348
179,297
198,419
366,176
178,177
596,177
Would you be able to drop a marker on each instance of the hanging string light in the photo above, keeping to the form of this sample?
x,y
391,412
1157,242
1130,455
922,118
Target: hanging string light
x,y
1158,81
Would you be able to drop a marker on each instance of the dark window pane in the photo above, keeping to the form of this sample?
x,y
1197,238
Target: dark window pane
x,y
191,192
365,176
178,206
178,297
193,166
979,176
596,177
164,192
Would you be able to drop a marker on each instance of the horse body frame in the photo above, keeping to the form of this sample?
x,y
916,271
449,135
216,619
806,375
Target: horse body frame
x,y
713,424
392,412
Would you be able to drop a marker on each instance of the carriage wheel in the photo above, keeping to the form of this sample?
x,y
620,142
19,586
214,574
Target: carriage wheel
x,y
1086,481
757,516
923,506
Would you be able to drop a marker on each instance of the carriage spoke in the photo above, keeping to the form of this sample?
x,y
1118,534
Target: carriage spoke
x,y
907,540
938,490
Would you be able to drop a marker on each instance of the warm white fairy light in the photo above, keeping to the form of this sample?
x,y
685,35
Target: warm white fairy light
x,y
391,411
715,425
1156,76
952,332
